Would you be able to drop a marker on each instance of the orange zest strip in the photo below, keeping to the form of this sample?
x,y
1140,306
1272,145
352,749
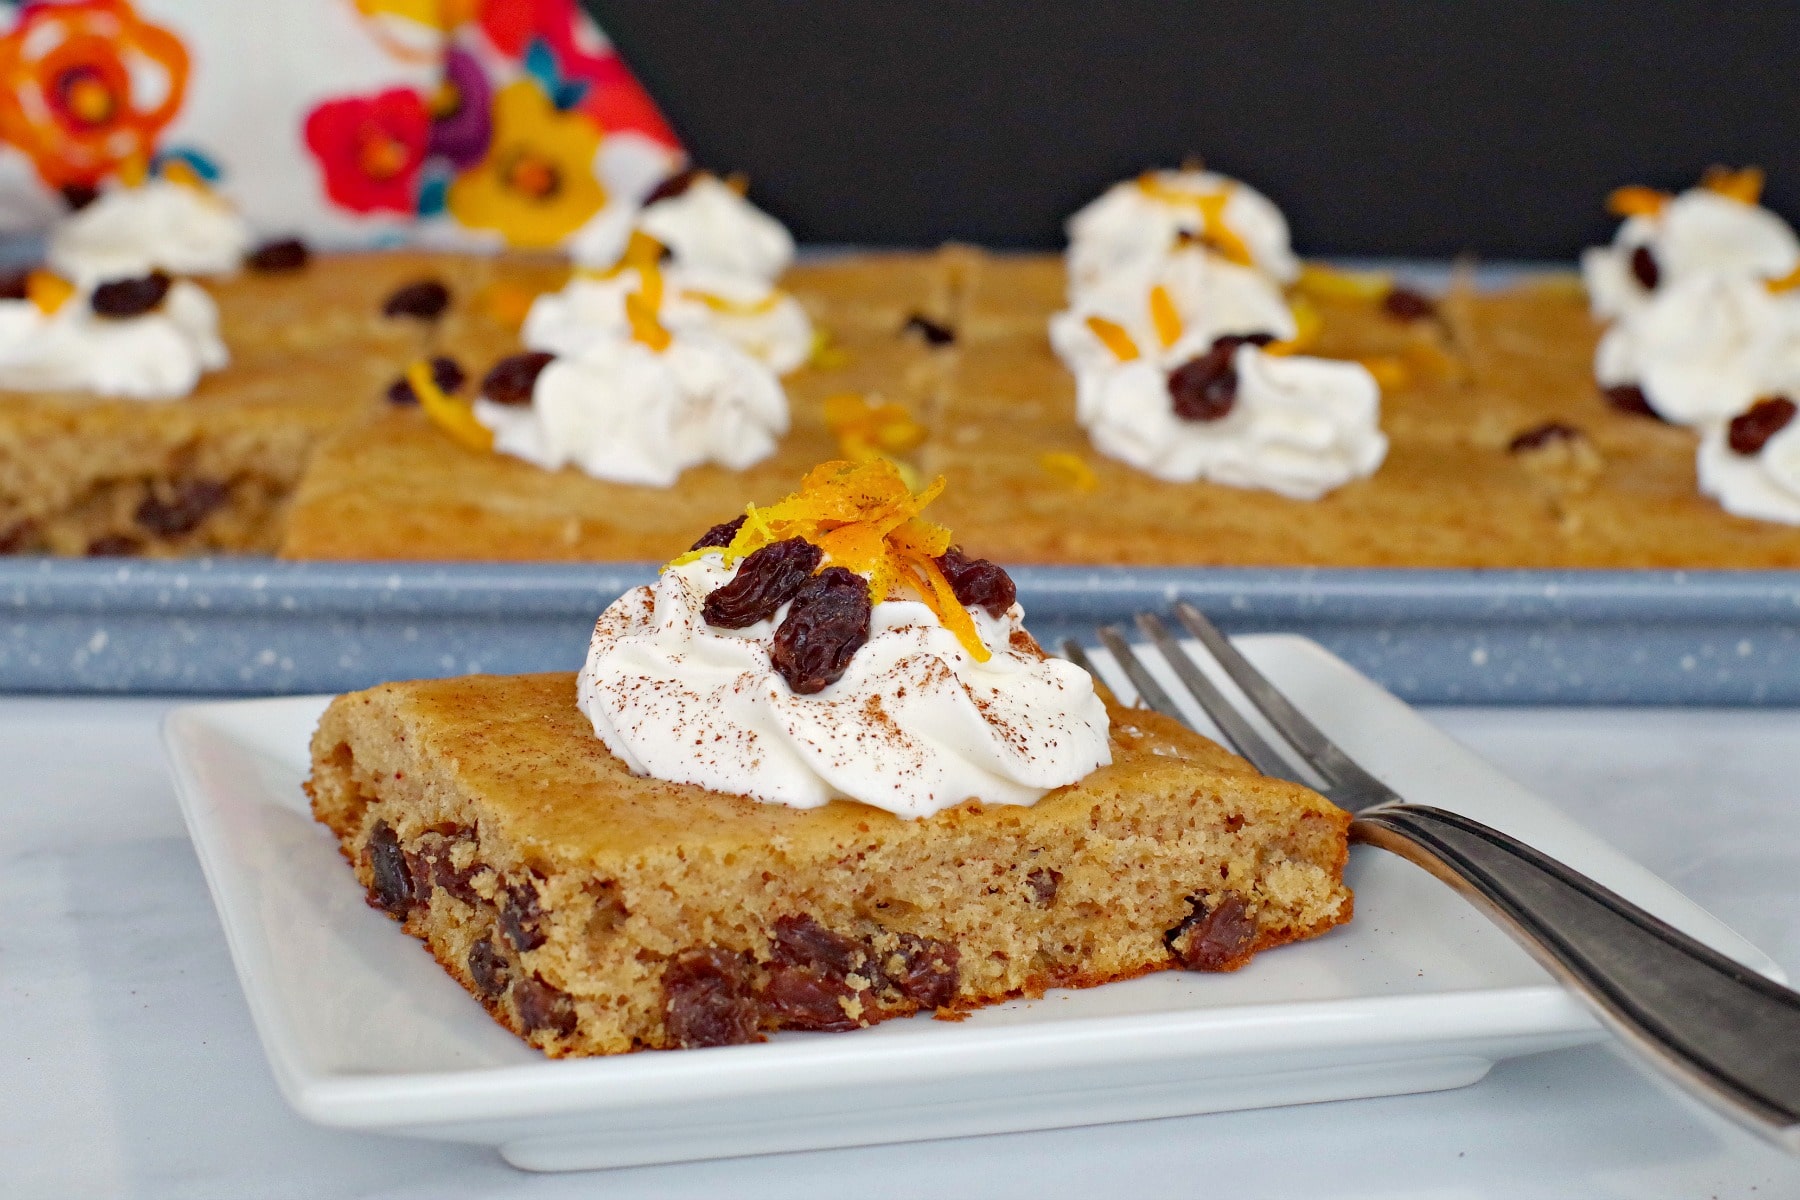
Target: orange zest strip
x,y
1329,283
453,417
1307,323
736,308
1070,469
827,355
1635,201
865,518
1390,372
642,306
1112,335
1219,235
866,427
1786,283
1745,186
48,291
1164,316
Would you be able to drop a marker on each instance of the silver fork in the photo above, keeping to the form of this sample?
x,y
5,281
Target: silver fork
x,y
1718,1029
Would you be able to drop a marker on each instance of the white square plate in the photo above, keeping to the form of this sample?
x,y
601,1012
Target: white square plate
x,y
363,1030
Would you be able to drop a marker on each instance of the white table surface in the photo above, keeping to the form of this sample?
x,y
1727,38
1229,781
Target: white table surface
x,y
128,1065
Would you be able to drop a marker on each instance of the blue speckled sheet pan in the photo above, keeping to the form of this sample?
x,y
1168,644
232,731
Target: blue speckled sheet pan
x,y
1475,637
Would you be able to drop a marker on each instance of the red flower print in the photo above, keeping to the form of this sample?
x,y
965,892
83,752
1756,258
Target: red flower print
x,y
370,148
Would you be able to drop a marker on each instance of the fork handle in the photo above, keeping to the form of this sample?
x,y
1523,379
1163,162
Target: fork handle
x,y
1720,1030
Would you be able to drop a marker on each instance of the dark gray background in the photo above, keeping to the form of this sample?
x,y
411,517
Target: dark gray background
x,y
1383,128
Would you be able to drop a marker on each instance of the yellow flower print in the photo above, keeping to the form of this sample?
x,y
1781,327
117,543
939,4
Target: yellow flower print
x,y
536,185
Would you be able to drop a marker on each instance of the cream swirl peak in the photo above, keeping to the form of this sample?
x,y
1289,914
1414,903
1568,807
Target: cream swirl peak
x,y
835,646
759,319
146,339
1715,230
1194,376
1133,225
704,222
162,224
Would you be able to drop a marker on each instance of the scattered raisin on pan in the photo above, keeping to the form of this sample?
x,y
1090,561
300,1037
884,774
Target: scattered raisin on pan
x,y
391,885
1043,882
425,299
1205,387
1215,936
766,579
542,1006
1630,398
1542,435
113,545
708,998
446,372
825,626
719,535
487,967
928,971
283,254
1751,429
188,504
673,185
935,333
511,380
1644,268
79,195
1406,304
14,537
521,919
122,298
977,582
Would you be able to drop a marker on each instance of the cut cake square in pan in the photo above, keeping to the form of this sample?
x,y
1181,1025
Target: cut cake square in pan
x,y
593,911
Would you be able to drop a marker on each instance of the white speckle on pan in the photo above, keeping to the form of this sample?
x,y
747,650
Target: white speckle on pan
x,y
1744,647
97,643
1689,662
1479,656
266,658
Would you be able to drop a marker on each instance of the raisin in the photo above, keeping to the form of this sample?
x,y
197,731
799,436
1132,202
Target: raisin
x,y
1205,387
424,300
673,185
1539,436
1630,398
1215,936
187,504
79,195
113,545
431,867
446,372
1043,882
511,380
927,972
766,579
1405,304
808,970
935,333
391,885
14,285
284,254
825,626
1751,429
14,537
541,1006
708,999
487,967
719,535
802,941
520,917
124,298
977,582
1644,268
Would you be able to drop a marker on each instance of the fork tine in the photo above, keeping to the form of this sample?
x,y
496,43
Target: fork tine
x,y
1319,751
1071,650
1148,690
1242,736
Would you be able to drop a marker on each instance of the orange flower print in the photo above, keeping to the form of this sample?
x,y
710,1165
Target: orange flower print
x,y
371,148
86,87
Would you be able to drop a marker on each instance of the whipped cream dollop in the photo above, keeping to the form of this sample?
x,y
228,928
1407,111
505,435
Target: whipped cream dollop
x,y
914,725
764,322
1133,225
1251,418
623,411
1700,233
158,355
1764,485
158,225
707,226
1704,348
